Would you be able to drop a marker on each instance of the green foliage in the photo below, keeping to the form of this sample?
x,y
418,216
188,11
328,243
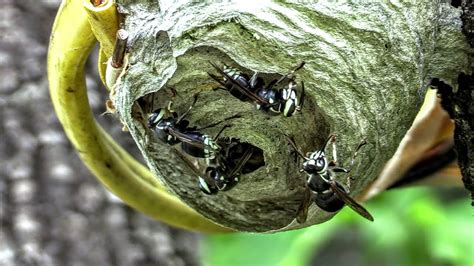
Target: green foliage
x,y
417,226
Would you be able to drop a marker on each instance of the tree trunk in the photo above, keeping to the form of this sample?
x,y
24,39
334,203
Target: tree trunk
x,y
52,210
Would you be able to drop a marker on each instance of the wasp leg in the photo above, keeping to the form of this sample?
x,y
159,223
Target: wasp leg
x,y
337,169
349,181
361,144
350,178
334,152
173,94
253,79
290,74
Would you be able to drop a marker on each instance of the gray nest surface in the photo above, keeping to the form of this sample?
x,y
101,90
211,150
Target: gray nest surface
x,y
367,68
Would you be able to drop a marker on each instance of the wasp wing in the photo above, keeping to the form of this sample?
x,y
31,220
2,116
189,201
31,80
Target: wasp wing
x,y
192,166
243,160
242,89
350,201
214,77
185,138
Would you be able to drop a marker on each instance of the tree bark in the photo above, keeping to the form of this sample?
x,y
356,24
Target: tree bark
x,y
52,210
460,105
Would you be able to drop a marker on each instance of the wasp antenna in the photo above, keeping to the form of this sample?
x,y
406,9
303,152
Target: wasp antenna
x,y
331,138
217,123
189,109
361,144
301,65
222,129
292,142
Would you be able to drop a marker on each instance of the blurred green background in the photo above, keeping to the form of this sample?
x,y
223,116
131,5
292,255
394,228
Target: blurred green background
x,y
415,226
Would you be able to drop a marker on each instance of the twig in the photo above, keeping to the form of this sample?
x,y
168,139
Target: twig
x,y
119,49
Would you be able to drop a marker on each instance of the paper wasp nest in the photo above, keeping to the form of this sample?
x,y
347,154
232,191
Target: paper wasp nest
x,y
367,68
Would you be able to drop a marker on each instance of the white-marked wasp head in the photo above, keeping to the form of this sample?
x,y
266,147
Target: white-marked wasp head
x,y
291,102
155,117
317,163
206,188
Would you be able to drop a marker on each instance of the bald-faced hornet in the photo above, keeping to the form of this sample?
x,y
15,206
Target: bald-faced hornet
x,y
223,172
171,129
266,98
234,81
329,194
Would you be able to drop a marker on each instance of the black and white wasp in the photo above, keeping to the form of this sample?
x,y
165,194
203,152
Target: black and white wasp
x,y
173,129
329,194
267,98
223,172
